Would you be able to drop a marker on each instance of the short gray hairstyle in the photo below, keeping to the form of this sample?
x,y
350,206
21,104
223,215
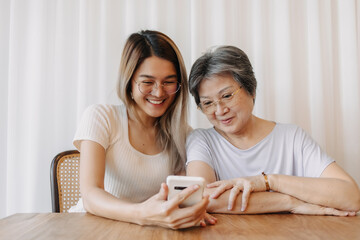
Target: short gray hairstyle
x,y
221,61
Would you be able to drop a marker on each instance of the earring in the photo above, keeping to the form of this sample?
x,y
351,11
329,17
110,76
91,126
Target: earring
x,y
132,97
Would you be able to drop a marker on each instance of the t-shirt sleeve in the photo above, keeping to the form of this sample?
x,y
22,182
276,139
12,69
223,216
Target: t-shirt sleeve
x,y
94,125
197,148
315,160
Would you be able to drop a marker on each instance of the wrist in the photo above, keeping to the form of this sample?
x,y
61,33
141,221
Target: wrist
x,y
138,216
267,186
272,178
294,203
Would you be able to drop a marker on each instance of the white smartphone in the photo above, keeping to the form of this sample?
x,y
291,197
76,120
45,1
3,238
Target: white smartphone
x,y
178,183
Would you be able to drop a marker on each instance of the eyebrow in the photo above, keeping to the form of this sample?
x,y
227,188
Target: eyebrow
x,y
221,91
152,77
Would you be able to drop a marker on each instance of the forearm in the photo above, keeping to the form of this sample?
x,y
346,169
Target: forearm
x,y
101,203
329,192
259,202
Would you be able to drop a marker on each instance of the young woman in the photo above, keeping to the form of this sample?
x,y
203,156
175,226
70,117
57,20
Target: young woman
x,y
128,150
249,154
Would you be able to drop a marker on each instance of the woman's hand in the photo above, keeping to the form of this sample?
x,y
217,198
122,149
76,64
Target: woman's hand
x,y
301,207
158,211
246,185
209,219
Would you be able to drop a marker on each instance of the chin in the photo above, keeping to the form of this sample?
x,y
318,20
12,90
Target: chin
x,y
226,129
156,114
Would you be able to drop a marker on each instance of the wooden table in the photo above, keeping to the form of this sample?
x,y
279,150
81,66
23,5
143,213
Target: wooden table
x,y
264,227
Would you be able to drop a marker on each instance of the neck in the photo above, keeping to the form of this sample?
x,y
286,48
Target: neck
x,y
244,133
142,119
253,132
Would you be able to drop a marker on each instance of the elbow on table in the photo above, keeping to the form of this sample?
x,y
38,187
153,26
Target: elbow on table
x,y
354,202
357,202
87,205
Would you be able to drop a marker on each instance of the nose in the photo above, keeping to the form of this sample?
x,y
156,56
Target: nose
x,y
221,109
158,90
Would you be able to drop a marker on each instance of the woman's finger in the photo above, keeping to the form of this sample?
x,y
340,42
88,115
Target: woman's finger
x,y
188,222
190,216
210,219
233,195
335,212
351,214
163,192
181,196
245,197
214,184
220,190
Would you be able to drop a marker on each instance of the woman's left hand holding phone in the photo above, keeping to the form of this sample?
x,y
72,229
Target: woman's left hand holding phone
x,y
158,211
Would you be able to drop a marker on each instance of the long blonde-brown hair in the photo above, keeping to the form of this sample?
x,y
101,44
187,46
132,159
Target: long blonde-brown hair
x,y
172,127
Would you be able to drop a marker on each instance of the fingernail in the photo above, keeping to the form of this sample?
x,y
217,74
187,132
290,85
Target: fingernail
x,y
212,196
196,186
242,208
229,207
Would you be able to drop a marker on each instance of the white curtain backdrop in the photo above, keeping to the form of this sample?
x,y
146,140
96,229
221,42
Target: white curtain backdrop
x,y
59,56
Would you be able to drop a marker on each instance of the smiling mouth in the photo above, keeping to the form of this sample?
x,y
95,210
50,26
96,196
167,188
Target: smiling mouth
x,y
225,121
156,101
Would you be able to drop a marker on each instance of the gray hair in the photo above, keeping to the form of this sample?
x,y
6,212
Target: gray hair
x,y
221,61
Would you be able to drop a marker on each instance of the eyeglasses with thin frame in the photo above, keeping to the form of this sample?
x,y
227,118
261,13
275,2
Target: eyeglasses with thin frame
x,y
227,99
146,87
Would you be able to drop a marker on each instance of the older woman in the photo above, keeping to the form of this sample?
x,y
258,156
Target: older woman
x,y
282,167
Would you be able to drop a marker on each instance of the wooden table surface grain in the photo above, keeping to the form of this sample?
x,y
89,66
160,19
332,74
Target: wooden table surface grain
x,y
263,227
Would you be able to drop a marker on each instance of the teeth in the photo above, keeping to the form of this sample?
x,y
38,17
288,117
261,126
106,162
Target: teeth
x,y
155,102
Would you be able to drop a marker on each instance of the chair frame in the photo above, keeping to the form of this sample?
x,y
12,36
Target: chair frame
x,y
53,179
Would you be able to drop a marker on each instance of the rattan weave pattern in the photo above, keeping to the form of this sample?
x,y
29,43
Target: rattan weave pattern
x,y
68,181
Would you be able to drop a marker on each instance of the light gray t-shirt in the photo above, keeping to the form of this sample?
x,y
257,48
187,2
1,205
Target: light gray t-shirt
x,y
286,150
